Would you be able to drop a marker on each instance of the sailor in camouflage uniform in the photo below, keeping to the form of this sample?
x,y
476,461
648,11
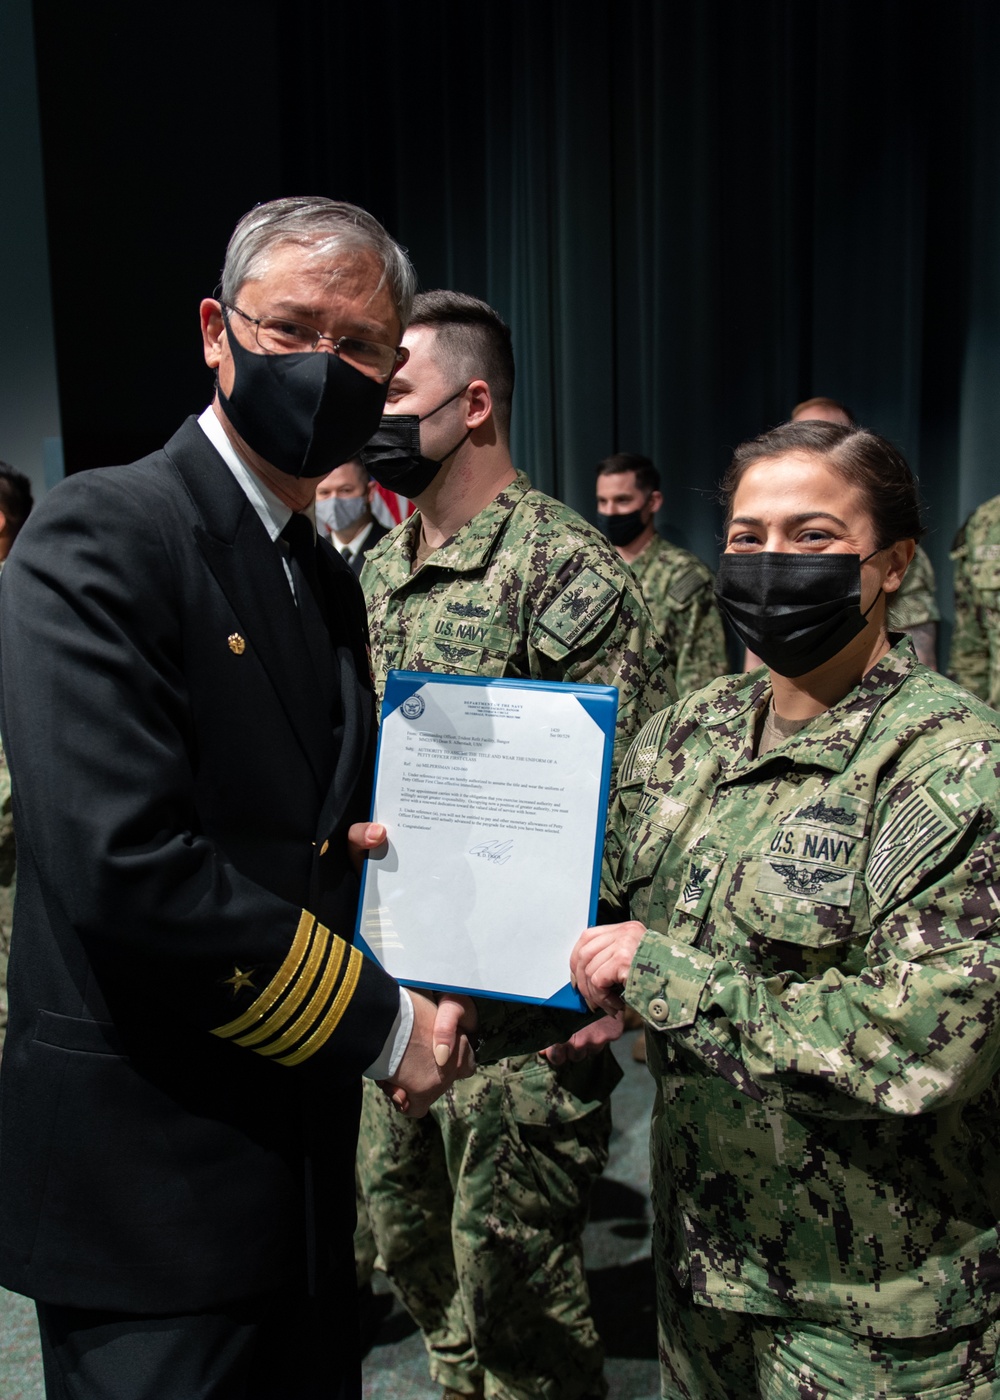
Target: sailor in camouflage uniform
x,y
975,643
677,586
478,1210
913,608
811,859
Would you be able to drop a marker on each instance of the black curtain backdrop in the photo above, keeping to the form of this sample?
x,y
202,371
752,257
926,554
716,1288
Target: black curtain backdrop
x,y
693,213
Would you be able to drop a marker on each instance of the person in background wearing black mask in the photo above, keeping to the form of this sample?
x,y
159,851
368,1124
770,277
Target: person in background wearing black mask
x,y
344,512
188,717
676,585
492,578
914,608
806,861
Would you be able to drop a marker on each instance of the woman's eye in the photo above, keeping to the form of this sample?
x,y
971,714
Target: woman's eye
x,y
744,540
815,537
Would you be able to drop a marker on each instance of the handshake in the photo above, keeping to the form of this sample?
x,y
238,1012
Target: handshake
x,y
438,1051
437,1054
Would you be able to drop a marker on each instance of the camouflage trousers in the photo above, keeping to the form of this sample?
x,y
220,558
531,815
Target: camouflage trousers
x,y
364,1241
711,1354
478,1213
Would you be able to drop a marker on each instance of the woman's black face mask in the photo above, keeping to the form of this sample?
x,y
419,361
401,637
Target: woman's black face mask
x,y
795,611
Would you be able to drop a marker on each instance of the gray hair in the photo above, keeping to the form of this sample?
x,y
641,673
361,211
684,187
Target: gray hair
x,y
327,227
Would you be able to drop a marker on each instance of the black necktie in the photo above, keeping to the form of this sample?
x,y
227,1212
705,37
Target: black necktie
x,y
300,538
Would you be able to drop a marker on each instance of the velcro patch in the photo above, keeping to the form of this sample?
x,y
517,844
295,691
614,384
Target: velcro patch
x,y
641,757
986,552
686,584
661,810
840,812
695,893
802,879
918,826
578,606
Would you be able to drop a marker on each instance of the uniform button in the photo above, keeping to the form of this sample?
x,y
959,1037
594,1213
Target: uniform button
x,y
324,848
658,1010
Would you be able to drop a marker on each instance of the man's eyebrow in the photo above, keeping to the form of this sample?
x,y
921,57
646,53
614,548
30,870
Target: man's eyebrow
x,y
799,519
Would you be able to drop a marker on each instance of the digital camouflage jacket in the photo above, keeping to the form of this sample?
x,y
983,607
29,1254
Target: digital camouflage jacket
x,y
527,588
915,602
975,642
680,593
821,982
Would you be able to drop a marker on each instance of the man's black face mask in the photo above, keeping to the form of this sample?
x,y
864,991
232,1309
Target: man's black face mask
x,y
796,611
303,413
623,528
392,457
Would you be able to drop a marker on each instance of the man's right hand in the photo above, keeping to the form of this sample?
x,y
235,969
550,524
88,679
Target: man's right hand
x,y
420,1079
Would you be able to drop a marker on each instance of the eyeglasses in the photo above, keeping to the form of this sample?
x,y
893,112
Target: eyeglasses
x,y
276,336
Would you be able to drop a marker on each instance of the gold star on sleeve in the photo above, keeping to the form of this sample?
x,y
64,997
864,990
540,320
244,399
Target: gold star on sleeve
x,y
302,1005
240,979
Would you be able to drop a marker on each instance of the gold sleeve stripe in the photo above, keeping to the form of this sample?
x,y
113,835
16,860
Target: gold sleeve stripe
x,y
278,985
301,988
333,1017
321,995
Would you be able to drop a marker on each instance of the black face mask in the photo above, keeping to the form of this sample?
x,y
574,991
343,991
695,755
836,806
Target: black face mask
x,y
624,528
392,457
796,611
303,413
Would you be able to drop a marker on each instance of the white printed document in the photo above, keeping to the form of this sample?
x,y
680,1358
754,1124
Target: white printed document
x,y
494,795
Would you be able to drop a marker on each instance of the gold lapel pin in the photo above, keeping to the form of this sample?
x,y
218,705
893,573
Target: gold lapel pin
x,y
237,644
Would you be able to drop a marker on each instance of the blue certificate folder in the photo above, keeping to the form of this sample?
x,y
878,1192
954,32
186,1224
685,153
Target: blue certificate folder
x,y
479,819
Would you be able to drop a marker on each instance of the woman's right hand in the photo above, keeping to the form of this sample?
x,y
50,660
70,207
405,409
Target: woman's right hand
x,y
601,961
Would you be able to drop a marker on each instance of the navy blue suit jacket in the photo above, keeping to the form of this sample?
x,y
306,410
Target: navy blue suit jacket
x,y
188,1020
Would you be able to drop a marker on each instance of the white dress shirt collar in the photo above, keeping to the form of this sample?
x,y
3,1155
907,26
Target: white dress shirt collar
x,y
273,512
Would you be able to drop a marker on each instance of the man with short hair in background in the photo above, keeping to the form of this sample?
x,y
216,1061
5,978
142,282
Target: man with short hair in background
x,y
678,588
344,512
913,608
478,1210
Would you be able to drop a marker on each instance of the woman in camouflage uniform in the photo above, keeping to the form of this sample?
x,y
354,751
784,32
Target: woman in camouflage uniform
x,y
807,857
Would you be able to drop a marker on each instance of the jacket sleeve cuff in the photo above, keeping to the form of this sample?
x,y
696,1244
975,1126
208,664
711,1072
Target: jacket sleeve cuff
x,y
310,1003
667,981
396,1041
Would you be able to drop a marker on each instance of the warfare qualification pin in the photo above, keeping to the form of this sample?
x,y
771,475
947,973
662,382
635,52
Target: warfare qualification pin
x,y
237,645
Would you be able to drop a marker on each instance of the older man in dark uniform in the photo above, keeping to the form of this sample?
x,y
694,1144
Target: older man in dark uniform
x,y
188,716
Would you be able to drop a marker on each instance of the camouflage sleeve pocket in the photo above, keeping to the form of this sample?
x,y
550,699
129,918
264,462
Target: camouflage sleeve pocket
x,y
919,831
541,1096
984,572
585,605
651,893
